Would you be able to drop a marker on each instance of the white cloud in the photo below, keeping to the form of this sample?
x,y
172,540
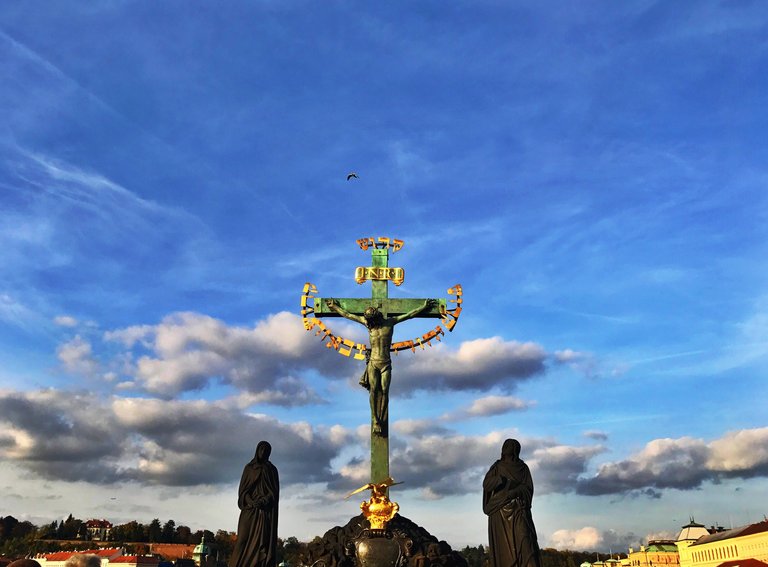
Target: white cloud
x,y
683,463
76,356
59,435
740,452
186,351
489,406
65,321
589,538
586,538
189,350
479,364
557,468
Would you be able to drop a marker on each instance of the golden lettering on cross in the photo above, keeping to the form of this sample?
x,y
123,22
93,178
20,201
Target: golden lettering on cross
x,y
382,242
394,275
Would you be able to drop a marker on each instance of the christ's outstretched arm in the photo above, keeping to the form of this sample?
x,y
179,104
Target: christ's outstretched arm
x,y
334,306
413,312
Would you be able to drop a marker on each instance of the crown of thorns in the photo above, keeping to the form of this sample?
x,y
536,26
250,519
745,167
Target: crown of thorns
x,y
371,312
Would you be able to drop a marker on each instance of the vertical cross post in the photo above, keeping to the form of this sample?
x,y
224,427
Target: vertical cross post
x,y
380,443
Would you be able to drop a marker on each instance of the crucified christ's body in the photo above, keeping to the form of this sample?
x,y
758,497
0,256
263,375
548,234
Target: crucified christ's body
x,y
378,370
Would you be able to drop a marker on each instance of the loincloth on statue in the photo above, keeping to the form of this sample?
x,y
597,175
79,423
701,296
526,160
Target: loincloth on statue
x,y
380,364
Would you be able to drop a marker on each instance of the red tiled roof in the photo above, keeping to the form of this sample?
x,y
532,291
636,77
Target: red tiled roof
x,y
59,555
172,551
138,559
64,555
744,563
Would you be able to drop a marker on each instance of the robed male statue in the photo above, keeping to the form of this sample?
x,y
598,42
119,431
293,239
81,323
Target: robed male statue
x,y
507,496
257,499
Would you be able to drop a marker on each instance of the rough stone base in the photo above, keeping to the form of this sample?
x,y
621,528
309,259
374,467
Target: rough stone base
x,y
338,547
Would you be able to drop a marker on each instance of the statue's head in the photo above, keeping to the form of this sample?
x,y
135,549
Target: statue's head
x,y
372,316
263,450
511,449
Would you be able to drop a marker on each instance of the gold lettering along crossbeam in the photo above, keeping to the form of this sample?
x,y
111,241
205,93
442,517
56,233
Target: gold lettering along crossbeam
x,y
381,242
347,347
395,275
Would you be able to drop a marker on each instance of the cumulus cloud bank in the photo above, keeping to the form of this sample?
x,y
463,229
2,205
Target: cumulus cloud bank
x,y
267,362
684,463
77,437
65,436
186,351
479,365
590,538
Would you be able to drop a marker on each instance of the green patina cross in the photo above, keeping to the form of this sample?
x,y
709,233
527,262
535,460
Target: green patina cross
x,y
379,322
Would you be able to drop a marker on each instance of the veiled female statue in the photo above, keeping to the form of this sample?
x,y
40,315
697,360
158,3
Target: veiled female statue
x,y
507,496
257,499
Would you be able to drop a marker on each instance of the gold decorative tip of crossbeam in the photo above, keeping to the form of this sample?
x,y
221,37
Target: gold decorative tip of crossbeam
x,y
395,275
381,242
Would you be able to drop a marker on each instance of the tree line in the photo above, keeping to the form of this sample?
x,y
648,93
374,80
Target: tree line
x,y
70,533
20,538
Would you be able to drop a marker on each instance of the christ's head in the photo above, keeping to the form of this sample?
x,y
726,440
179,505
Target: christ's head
x,y
373,317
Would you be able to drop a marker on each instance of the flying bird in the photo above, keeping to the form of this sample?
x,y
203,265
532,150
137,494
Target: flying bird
x,y
352,175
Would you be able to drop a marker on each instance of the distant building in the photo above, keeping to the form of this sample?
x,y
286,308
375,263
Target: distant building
x,y
172,551
746,546
658,553
98,530
58,559
202,553
690,533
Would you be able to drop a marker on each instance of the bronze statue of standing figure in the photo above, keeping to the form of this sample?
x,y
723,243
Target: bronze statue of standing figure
x,y
507,496
378,368
257,499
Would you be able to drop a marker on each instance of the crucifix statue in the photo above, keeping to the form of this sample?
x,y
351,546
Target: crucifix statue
x,y
379,314
378,367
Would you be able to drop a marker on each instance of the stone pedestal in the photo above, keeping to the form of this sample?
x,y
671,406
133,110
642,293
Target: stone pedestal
x,y
402,544
381,548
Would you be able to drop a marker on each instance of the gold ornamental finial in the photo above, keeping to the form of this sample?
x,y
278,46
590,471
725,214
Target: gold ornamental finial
x,y
379,509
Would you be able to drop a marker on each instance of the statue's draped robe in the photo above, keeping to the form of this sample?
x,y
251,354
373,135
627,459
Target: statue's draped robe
x,y
507,496
258,496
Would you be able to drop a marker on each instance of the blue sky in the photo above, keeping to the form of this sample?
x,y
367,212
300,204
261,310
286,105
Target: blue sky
x,y
593,174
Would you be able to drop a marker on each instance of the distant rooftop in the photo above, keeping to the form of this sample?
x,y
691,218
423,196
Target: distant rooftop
x,y
692,531
751,529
